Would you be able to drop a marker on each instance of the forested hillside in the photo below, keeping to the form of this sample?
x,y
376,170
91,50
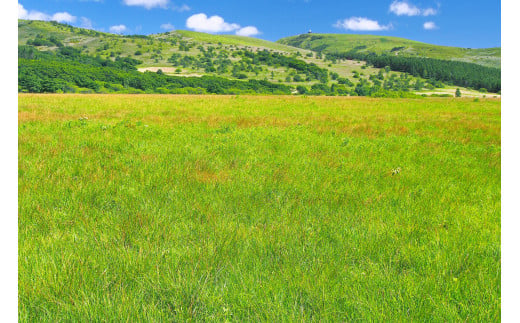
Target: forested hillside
x,y
451,72
68,70
55,57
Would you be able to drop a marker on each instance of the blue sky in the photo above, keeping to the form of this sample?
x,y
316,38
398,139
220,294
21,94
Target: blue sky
x,y
473,24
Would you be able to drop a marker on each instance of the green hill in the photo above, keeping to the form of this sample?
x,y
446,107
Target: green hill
x,y
100,43
237,41
185,53
156,51
331,43
193,54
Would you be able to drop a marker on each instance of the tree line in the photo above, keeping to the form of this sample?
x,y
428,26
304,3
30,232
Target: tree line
x,y
451,72
67,70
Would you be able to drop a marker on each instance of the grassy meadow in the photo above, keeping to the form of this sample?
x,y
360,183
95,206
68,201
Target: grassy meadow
x,y
385,44
258,208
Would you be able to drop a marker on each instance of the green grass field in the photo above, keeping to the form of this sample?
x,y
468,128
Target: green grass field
x,y
257,208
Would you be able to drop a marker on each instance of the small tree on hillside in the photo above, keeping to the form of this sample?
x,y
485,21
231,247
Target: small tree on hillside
x,y
301,89
457,93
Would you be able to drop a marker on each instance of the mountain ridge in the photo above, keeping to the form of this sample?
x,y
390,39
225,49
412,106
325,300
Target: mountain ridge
x,y
338,43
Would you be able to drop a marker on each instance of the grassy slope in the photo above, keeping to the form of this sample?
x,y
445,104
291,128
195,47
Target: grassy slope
x,y
160,208
238,41
384,44
127,46
28,30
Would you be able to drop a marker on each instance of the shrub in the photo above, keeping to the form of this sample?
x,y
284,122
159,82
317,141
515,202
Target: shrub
x,y
301,89
297,78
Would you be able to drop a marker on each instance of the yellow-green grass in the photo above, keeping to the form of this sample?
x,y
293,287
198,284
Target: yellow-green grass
x,y
128,46
258,208
451,90
240,41
394,45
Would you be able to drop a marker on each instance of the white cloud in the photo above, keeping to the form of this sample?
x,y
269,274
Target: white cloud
x,y
248,31
21,12
214,24
63,17
167,26
430,25
361,24
148,4
118,29
31,15
37,15
182,8
403,8
85,23
429,12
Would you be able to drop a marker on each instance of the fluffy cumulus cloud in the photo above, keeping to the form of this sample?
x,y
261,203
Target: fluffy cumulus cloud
x,y
118,29
214,24
64,17
148,4
31,15
361,24
248,31
167,26
403,8
430,25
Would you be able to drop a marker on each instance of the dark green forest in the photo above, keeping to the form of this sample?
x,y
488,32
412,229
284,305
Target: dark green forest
x,y
69,71
451,72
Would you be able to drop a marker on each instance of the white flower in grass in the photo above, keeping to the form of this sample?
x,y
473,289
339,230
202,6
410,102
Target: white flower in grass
x,y
396,171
